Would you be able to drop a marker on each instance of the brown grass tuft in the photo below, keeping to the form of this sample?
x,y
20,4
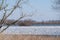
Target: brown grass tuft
x,y
28,37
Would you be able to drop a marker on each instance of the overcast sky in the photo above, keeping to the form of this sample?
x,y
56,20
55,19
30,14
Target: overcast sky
x,y
41,9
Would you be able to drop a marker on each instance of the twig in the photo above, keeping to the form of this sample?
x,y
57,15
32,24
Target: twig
x,y
5,29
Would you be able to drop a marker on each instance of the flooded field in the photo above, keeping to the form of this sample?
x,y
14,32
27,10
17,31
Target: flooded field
x,y
33,30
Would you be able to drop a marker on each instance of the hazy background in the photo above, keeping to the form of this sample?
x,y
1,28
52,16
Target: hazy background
x,y
41,10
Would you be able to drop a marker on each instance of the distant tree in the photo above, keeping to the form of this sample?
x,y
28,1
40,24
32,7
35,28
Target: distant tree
x,y
3,7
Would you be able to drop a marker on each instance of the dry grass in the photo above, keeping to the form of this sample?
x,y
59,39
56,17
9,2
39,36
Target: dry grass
x,y
28,37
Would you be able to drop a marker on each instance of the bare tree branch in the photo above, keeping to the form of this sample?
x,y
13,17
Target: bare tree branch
x,y
16,21
4,29
10,12
4,18
13,9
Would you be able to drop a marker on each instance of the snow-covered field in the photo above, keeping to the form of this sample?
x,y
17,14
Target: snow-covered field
x,y
33,30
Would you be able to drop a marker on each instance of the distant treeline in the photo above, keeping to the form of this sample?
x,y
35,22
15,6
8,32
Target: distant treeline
x,y
29,22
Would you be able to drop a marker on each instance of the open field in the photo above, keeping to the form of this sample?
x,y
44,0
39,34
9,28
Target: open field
x,y
34,30
28,37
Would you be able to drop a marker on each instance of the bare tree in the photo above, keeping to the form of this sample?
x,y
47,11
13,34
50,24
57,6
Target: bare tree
x,y
5,16
56,4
